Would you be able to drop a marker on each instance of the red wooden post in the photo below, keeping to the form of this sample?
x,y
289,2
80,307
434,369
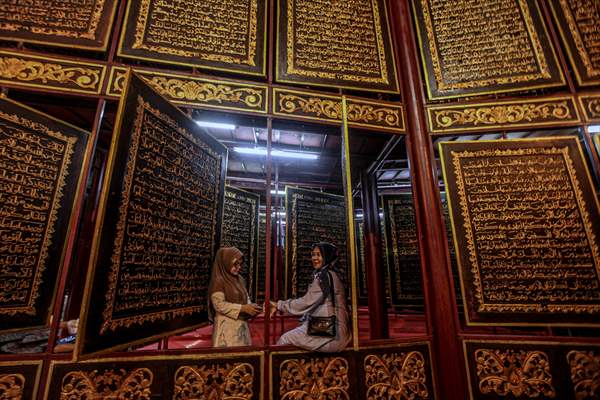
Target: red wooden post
x,y
435,261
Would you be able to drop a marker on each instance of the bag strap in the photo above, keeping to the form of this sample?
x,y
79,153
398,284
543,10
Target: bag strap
x,y
331,288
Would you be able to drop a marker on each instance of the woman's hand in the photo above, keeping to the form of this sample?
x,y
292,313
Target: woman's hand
x,y
272,308
250,310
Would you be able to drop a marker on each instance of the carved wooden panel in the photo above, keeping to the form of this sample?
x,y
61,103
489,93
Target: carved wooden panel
x,y
535,369
197,92
223,35
19,380
158,226
527,226
84,24
319,107
183,377
40,170
337,43
239,228
503,114
579,26
476,48
52,73
312,217
591,107
298,376
361,278
402,371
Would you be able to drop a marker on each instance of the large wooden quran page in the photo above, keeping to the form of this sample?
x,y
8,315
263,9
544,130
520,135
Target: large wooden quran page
x,y
40,167
484,47
158,226
240,229
579,23
344,43
82,24
526,222
312,217
224,35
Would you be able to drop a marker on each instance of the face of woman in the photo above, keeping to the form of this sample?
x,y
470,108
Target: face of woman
x,y
316,258
236,266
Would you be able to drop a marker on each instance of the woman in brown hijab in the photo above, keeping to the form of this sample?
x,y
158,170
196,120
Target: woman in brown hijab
x,y
228,303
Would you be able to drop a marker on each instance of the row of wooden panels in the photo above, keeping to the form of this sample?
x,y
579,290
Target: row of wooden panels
x,y
496,369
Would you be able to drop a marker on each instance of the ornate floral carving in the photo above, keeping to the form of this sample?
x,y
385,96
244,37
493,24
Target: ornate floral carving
x,y
585,374
593,108
315,378
231,382
108,385
11,386
514,372
370,114
204,92
502,114
396,376
310,106
23,70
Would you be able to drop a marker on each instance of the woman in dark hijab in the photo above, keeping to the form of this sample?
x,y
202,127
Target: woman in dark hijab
x,y
228,302
317,302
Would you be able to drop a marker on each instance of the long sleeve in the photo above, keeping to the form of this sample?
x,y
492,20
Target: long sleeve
x,y
299,306
231,310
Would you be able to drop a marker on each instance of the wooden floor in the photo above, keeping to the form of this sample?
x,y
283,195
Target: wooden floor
x,y
400,325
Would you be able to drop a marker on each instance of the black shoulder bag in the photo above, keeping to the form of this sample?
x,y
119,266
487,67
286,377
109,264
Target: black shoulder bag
x,y
324,326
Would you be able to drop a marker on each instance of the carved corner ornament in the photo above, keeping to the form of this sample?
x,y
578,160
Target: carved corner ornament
x,y
396,376
229,382
108,385
585,374
11,386
514,373
314,378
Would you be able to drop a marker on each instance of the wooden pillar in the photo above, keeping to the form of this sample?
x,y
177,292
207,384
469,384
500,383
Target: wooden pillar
x,y
373,259
435,260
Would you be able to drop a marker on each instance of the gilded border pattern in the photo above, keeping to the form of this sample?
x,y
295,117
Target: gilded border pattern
x,y
142,22
69,143
52,73
192,91
479,116
585,373
477,283
12,386
108,321
591,107
361,113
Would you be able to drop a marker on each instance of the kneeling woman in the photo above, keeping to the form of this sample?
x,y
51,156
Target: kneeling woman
x,y
317,302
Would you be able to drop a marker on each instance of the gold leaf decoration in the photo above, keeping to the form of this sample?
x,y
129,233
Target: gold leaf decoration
x,y
593,108
313,106
231,382
316,379
369,114
396,376
514,372
23,70
189,90
11,386
502,114
108,385
585,374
